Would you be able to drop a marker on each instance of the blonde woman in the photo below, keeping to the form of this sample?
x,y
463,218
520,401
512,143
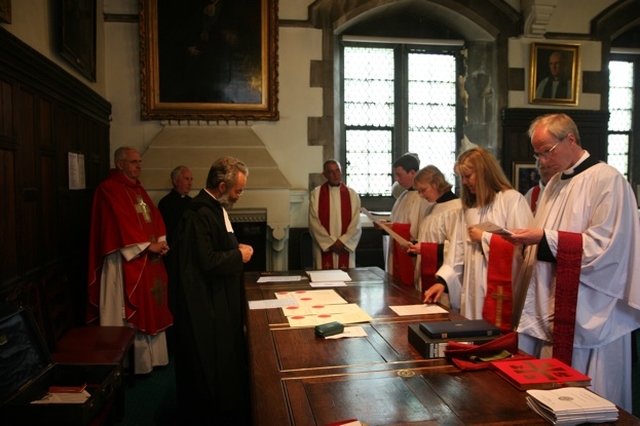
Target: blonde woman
x,y
491,264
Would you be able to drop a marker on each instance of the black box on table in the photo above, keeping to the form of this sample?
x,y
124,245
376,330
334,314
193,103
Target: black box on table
x,y
27,374
434,348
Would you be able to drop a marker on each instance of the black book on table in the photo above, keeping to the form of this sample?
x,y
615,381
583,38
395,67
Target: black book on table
x,y
462,328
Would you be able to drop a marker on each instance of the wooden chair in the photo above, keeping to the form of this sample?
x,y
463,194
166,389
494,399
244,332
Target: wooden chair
x,y
71,343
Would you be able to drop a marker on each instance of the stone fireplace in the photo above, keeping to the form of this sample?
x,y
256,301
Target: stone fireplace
x,y
267,196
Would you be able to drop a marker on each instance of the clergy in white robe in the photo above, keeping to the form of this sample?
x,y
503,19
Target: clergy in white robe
x,y
533,194
437,240
127,280
487,196
334,239
406,214
593,201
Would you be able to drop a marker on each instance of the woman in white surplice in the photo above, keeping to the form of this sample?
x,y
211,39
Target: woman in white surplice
x,y
438,230
487,196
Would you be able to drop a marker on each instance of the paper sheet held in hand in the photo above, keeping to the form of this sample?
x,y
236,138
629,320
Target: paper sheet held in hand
x,y
493,228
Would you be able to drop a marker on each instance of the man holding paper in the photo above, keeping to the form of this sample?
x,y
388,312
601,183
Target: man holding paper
x,y
581,263
406,214
334,221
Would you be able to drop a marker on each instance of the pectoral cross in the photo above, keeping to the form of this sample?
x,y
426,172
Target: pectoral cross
x,y
157,291
143,208
499,296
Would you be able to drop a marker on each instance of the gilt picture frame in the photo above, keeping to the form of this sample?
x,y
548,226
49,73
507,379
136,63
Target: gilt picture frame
x,y
208,60
554,74
524,176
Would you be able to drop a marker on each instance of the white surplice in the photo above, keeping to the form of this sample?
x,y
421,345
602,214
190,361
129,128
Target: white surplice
x,y
150,351
440,226
322,239
599,204
409,208
508,210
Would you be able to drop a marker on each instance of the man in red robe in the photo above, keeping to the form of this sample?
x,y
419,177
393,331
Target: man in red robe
x,y
127,281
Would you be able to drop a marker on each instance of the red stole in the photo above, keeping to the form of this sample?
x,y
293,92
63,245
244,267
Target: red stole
x,y
403,267
534,197
569,261
124,215
429,264
498,302
324,214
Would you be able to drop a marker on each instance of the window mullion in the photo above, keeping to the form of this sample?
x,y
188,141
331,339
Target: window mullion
x,y
401,143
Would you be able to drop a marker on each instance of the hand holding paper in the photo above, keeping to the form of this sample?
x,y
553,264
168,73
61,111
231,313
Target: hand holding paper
x,y
403,242
493,228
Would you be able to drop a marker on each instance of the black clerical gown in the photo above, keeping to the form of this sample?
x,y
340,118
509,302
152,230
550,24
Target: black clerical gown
x,y
172,206
211,357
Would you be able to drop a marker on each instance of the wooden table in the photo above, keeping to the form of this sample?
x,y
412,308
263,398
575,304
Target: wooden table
x,y
298,379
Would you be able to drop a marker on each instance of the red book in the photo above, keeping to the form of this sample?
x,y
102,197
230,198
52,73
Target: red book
x,y
548,373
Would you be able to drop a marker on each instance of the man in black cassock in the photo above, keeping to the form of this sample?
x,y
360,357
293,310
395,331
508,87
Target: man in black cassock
x,y
212,375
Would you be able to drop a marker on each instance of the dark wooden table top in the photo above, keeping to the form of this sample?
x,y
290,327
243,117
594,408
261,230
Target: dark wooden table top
x,y
298,379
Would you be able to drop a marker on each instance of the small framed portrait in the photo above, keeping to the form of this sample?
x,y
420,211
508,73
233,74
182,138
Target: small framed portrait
x,y
77,41
5,11
525,176
555,74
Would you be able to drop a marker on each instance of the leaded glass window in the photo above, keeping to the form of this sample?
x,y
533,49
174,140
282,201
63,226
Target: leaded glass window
x,y
397,100
620,114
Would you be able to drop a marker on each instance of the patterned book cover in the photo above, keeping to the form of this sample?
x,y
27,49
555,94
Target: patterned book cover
x,y
548,373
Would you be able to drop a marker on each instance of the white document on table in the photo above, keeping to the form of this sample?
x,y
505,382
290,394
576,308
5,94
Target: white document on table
x,y
328,284
350,314
355,331
312,297
279,279
272,303
328,275
423,309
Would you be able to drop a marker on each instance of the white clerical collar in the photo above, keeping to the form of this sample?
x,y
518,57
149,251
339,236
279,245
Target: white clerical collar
x,y
572,169
227,222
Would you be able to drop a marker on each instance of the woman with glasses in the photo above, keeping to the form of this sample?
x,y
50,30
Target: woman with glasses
x,y
437,240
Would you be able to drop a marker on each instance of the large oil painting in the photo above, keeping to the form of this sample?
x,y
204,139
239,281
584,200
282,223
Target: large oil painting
x,y
209,59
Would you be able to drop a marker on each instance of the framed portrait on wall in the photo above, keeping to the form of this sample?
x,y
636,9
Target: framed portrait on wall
x,y
208,59
555,74
77,40
5,11
525,176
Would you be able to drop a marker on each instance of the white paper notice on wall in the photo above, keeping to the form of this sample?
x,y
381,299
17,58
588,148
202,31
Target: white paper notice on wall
x,y
76,171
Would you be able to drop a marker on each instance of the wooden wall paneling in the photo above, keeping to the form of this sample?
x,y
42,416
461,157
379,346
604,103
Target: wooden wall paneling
x,y
64,129
27,177
8,216
58,305
48,218
6,112
44,113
